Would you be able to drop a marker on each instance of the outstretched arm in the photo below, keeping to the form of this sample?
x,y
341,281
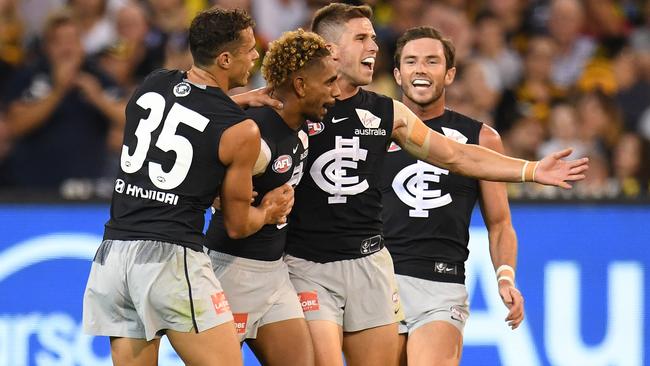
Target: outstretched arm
x,y
477,161
501,234
239,149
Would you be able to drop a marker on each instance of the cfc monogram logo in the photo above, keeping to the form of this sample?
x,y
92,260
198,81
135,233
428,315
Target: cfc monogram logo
x,y
412,183
330,170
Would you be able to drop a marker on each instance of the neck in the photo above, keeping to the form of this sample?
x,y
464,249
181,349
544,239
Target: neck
x,y
291,112
347,88
203,76
426,111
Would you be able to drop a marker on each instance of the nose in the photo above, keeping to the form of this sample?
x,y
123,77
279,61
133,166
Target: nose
x,y
336,91
373,46
256,55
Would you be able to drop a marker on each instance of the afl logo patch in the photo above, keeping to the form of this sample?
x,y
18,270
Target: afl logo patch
x,y
314,128
282,164
182,89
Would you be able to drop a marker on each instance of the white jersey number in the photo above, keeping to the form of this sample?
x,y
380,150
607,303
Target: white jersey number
x,y
167,141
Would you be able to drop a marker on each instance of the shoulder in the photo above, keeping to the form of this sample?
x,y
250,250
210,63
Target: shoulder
x,y
490,138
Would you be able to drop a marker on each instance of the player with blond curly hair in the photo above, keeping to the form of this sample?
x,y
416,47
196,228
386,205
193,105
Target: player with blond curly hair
x,y
268,315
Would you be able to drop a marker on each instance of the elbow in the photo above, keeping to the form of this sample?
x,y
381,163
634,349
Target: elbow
x,y
236,232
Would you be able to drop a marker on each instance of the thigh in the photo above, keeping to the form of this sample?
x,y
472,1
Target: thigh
x,y
426,301
320,288
374,346
134,352
435,343
180,294
372,295
286,342
215,346
327,339
108,309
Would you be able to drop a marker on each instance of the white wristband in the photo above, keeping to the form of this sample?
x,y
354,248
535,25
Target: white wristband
x,y
505,267
506,278
523,171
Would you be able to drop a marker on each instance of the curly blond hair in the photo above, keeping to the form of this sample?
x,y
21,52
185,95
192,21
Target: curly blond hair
x,y
291,52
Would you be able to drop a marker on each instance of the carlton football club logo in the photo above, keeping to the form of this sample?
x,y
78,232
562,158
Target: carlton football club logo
x,y
282,164
182,89
413,187
330,171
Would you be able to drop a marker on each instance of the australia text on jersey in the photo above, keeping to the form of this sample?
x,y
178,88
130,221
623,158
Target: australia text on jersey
x,y
150,194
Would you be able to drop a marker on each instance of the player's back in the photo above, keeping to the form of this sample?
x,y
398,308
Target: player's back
x,y
170,171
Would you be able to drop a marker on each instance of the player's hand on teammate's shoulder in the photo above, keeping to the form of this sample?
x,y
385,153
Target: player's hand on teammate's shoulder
x,y
257,98
552,170
278,204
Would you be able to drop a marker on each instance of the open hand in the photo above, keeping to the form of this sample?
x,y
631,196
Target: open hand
x,y
554,171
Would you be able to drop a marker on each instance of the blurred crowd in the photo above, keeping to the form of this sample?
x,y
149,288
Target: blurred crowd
x,y
547,74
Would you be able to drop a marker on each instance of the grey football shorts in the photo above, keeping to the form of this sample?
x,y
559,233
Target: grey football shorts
x,y
357,293
139,289
425,301
259,292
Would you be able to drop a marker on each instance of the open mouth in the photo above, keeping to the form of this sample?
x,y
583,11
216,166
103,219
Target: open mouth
x,y
421,83
368,62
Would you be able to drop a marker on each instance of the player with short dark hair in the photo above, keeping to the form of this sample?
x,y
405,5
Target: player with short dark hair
x,y
185,141
335,248
427,212
301,73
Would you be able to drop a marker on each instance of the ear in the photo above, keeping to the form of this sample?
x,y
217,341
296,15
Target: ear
x,y
398,76
299,86
334,50
224,60
449,76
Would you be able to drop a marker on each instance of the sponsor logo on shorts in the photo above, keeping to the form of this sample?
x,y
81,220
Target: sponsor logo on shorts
x,y
220,303
457,314
309,300
240,320
396,303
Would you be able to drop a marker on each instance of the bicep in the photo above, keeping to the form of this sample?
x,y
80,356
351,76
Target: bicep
x,y
238,150
421,141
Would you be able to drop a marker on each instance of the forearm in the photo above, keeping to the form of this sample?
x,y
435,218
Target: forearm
x,y
24,117
481,163
255,220
503,246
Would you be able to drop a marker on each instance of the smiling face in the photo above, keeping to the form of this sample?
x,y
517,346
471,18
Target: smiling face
x,y
321,89
356,51
422,73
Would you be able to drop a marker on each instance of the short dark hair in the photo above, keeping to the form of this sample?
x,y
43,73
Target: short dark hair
x,y
328,19
292,52
426,32
214,31
57,19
